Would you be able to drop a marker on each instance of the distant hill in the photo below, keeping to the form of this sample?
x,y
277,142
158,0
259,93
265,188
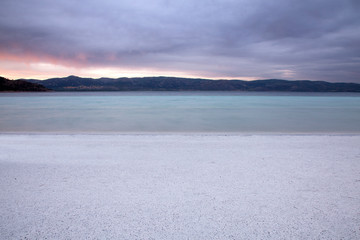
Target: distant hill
x,y
74,83
20,85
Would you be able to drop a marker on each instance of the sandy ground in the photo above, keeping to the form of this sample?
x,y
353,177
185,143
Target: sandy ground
x,y
179,187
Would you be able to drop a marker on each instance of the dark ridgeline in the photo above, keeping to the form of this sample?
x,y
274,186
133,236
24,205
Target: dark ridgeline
x,y
20,86
74,83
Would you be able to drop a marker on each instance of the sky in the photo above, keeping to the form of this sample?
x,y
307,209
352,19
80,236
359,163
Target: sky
x,y
217,39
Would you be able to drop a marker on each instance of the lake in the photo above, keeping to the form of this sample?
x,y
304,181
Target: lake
x,y
146,112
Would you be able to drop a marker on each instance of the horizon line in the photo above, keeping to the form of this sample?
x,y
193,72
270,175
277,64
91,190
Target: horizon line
x,y
168,76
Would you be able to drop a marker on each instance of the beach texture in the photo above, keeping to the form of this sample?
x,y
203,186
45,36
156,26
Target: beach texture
x,y
179,186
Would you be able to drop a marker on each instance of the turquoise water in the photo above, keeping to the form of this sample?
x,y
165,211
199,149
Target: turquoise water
x,y
180,112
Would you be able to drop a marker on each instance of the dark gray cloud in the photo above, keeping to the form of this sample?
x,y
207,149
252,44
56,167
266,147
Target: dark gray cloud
x,y
317,39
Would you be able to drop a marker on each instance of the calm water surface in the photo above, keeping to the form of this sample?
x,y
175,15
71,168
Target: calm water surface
x,y
245,112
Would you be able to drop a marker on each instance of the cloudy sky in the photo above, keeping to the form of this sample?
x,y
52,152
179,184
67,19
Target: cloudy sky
x,y
233,39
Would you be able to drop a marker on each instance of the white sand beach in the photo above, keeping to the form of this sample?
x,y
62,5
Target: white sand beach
x,y
178,186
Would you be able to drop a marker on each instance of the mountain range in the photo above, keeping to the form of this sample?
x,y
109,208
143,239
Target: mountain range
x,y
74,83
20,85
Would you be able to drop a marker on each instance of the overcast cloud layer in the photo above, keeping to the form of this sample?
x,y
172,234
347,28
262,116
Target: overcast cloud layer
x,y
289,39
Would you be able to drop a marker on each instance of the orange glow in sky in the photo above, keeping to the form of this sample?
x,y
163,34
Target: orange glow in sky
x,y
31,67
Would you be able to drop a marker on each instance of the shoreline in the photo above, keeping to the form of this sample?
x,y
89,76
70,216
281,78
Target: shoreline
x,y
179,186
